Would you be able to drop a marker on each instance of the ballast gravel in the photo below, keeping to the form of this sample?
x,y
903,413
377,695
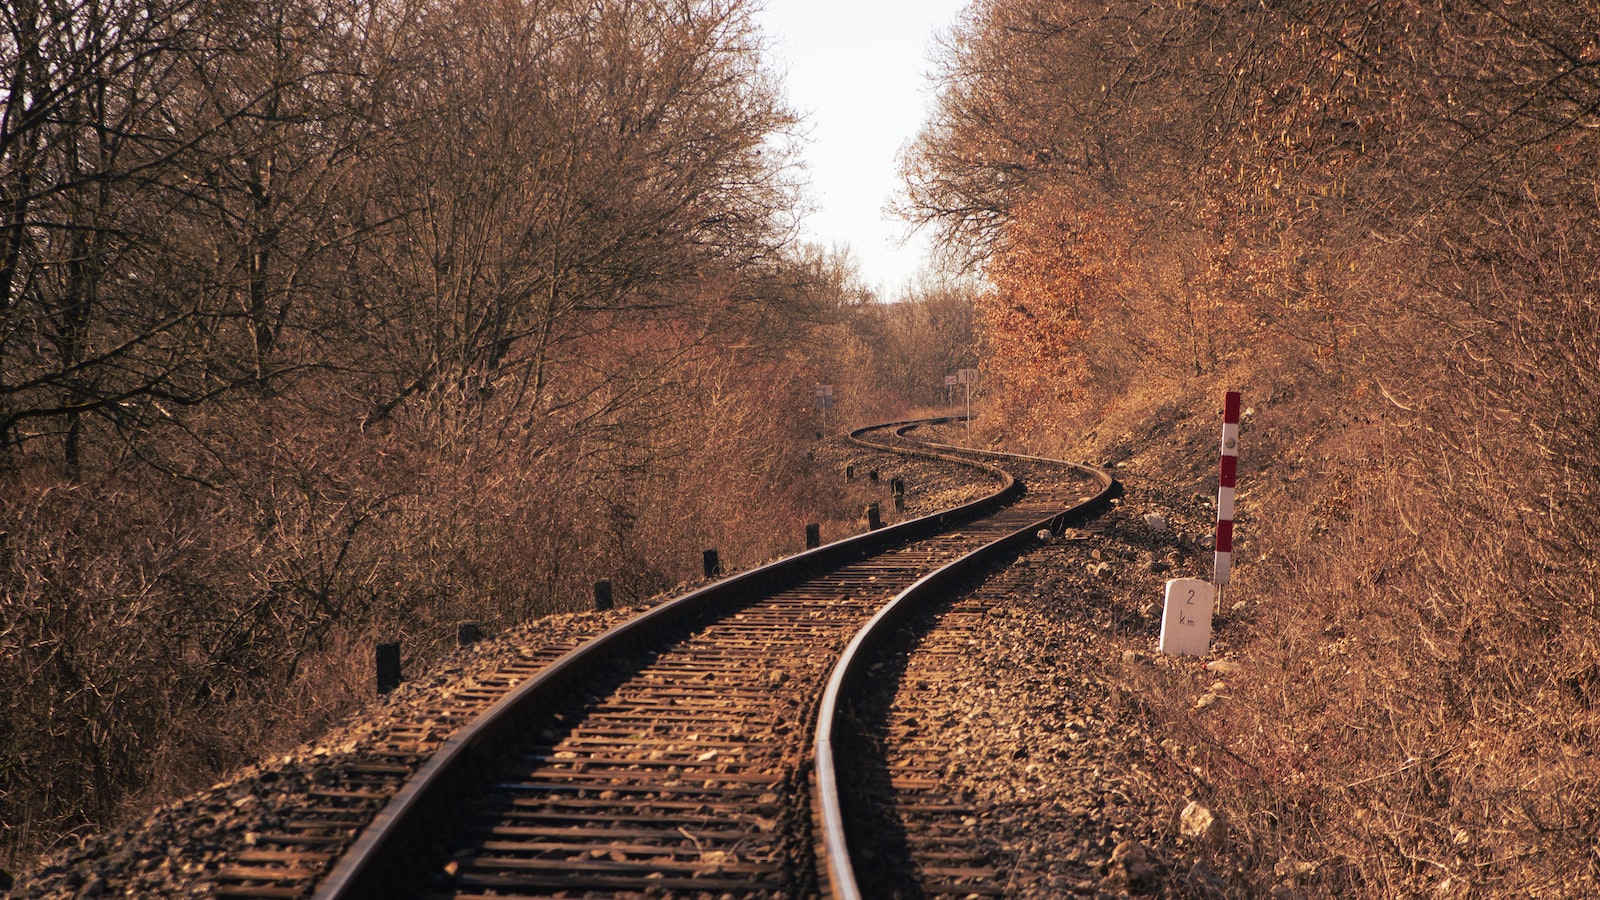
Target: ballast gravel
x,y
1074,797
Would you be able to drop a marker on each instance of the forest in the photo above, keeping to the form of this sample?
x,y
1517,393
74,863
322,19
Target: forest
x,y
325,322
328,322
1380,221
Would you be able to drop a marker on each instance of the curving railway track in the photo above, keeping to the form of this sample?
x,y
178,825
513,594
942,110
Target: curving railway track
x,y
674,755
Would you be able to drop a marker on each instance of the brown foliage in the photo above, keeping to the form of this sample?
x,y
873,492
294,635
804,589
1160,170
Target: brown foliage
x,y
1049,296
882,357
323,324
1341,207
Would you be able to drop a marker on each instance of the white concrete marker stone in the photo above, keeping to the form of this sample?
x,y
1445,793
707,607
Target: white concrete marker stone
x,y
1186,618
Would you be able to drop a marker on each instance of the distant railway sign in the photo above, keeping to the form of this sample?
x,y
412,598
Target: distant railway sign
x,y
824,403
824,396
968,377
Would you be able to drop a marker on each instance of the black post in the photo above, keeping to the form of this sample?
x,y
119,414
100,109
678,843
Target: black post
x,y
388,662
813,536
602,596
874,520
468,633
897,487
849,473
713,565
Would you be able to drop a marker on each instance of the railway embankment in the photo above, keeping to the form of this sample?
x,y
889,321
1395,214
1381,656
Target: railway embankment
x,y
1030,716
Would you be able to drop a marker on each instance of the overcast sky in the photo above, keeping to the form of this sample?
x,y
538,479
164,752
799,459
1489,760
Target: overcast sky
x,y
857,70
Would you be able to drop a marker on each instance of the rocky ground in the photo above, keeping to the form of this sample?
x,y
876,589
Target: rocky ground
x,y
1076,797
1074,793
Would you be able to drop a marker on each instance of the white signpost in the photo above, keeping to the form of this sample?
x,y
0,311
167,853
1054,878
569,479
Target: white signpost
x,y
1186,617
1226,481
968,377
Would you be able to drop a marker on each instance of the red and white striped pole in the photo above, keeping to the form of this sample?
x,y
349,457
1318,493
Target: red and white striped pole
x,y
1230,471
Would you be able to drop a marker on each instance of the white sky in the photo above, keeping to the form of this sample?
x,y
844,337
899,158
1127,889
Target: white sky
x,y
857,71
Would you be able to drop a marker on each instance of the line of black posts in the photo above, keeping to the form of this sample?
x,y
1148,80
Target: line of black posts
x,y
387,653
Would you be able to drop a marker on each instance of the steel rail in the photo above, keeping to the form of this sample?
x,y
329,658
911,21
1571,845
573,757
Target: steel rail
x,y
368,868
834,856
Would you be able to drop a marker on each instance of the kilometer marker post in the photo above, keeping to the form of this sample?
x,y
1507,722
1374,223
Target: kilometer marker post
x,y
1190,602
1226,482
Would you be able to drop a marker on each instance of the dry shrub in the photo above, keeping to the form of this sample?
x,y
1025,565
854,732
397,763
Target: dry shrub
x,y
1405,726
1417,709
159,628
315,359
1387,220
125,637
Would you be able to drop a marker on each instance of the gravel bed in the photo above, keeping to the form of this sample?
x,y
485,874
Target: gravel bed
x,y
1073,794
177,849
1021,693
1065,781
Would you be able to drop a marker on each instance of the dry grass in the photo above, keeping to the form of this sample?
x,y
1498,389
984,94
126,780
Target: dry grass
x,y
1410,308
1416,713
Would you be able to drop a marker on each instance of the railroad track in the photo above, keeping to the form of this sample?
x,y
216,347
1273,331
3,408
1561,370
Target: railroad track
x,y
883,798
672,755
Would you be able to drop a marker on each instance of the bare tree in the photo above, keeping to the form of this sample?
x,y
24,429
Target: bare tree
x,y
165,170
615,162
326,318
80,130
